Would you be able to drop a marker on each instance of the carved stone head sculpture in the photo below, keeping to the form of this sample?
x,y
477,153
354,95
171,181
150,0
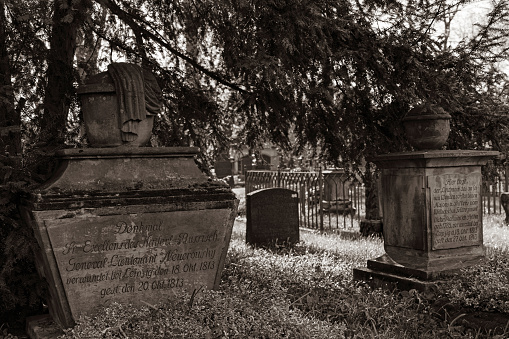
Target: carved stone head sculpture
x,y
119,106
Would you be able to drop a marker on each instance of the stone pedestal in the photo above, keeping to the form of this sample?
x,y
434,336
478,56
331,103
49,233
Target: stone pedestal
x,y
336,197
432,216
128,225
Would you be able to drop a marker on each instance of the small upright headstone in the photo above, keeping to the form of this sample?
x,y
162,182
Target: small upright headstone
x,y
272,216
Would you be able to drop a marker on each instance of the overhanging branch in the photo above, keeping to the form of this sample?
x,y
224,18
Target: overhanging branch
x,y
128,19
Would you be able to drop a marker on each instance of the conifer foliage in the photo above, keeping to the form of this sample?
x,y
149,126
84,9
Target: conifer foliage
x,y
334,75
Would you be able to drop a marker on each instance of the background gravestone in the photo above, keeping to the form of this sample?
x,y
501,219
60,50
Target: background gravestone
x,y
272,216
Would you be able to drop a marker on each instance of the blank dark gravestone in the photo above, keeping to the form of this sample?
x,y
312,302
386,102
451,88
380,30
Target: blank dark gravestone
x,y
272,216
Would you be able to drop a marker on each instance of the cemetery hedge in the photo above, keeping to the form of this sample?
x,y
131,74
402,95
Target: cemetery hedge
x,y
307,291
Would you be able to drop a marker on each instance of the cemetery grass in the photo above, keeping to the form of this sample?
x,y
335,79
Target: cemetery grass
x,y
307,291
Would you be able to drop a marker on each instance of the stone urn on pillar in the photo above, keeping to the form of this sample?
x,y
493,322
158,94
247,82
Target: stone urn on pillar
x,y
432,207
122,223
427,127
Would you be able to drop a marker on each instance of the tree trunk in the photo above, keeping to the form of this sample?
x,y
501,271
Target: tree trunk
x,y
87,52
59,89
371,193
372,224
10,121
60,92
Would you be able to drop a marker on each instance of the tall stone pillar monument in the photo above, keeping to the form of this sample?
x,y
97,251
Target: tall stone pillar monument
x,y
432,207
120,222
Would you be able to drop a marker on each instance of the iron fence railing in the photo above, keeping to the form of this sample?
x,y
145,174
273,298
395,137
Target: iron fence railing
x,y
491,191
327,199
330,199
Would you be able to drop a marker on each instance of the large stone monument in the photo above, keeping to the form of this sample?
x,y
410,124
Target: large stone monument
x,y
432,209
121,223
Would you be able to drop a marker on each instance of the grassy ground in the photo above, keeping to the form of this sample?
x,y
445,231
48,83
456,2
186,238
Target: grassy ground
x,y
307,291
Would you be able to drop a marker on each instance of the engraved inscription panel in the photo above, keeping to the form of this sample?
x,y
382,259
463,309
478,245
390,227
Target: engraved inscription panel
x,y
136,258
455,210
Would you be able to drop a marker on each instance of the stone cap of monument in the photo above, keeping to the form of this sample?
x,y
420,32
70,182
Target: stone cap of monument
x,y
124,169
102,176
127,152
97,83
434,158
426,111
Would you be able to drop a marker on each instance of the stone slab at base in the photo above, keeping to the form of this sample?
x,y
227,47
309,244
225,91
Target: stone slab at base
x,y
386,273
43,327
386,281
371,227
387,265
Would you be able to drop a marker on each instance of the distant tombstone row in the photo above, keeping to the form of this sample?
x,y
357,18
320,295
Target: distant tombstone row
x,y
272,216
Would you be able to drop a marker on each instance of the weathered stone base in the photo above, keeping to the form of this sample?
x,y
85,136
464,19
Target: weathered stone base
x,y
426,265
385,273
371,227
391,282
43,327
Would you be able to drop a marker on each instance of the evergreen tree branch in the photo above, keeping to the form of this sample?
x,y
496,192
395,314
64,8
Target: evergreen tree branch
x,y
128,19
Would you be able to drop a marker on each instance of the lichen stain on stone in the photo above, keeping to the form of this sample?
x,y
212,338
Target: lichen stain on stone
x,y
80,212
138,185
77,205
55,190
210,184
68,215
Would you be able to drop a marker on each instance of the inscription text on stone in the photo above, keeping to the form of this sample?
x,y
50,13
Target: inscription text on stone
x,y
127,258
455,210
